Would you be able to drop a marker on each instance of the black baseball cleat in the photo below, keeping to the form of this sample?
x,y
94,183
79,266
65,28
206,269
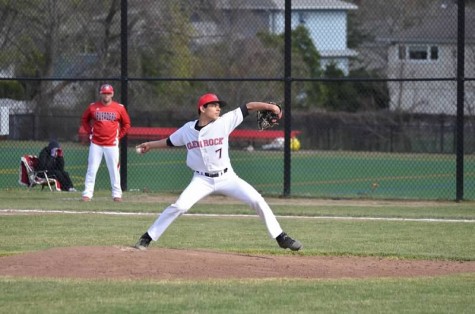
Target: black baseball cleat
x,y
143,242
287,242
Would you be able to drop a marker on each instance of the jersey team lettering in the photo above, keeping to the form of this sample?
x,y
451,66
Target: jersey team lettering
x,y
105,116
204,143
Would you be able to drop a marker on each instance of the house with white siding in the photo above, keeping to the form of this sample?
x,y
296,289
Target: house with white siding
x,y
428,50
326,21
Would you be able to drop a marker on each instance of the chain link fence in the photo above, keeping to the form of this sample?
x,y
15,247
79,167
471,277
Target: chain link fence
x,y
372,88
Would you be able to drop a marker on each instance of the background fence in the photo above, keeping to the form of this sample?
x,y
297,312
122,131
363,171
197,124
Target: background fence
x,y
383,93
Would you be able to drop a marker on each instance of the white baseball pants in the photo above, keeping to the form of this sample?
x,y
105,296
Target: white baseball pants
x,y
111,155
228,184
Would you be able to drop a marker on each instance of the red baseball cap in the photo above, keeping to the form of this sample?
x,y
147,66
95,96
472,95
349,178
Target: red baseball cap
x,y
209,98
107,89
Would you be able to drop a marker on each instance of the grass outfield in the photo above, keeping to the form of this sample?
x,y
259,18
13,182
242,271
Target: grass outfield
x,y
321,235
314,173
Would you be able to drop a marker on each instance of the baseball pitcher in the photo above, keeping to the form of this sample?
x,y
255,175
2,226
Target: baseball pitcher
x,y
207,144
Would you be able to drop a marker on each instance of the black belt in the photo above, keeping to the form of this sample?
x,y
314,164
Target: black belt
x,y
214,174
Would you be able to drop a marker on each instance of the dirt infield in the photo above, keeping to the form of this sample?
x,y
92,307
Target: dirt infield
x,y
121,262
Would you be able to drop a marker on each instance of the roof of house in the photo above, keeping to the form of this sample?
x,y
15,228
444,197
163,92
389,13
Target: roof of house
x,y
320,5
338,53
280,5
245,4
439,25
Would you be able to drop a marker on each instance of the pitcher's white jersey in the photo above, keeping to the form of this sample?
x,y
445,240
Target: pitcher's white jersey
x,y
208,149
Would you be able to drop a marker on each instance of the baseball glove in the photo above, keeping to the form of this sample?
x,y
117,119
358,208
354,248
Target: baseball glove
x,y
267,119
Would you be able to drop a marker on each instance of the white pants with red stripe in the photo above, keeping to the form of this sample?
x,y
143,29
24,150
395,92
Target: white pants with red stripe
x,y
228,184
111,155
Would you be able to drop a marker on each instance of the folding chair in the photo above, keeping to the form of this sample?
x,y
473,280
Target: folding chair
x,y
29,176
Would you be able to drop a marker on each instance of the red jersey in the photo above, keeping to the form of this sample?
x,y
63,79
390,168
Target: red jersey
x,y
105,124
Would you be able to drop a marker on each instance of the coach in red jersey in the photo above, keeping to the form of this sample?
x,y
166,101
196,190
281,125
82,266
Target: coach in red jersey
x,y
106,122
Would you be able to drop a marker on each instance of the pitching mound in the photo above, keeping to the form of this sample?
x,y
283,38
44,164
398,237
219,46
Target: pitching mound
x,y
170,264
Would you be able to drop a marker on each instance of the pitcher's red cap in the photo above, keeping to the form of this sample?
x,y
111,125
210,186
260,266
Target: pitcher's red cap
x,y
107,89
209,98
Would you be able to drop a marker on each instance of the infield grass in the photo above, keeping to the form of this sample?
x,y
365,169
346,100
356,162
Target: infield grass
x,y
398,239
452,294
155,202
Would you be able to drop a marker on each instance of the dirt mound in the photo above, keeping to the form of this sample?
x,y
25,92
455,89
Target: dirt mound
x,y
120,262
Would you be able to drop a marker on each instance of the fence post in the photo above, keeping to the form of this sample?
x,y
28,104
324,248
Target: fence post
x,y
460,97
287,95
124,88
